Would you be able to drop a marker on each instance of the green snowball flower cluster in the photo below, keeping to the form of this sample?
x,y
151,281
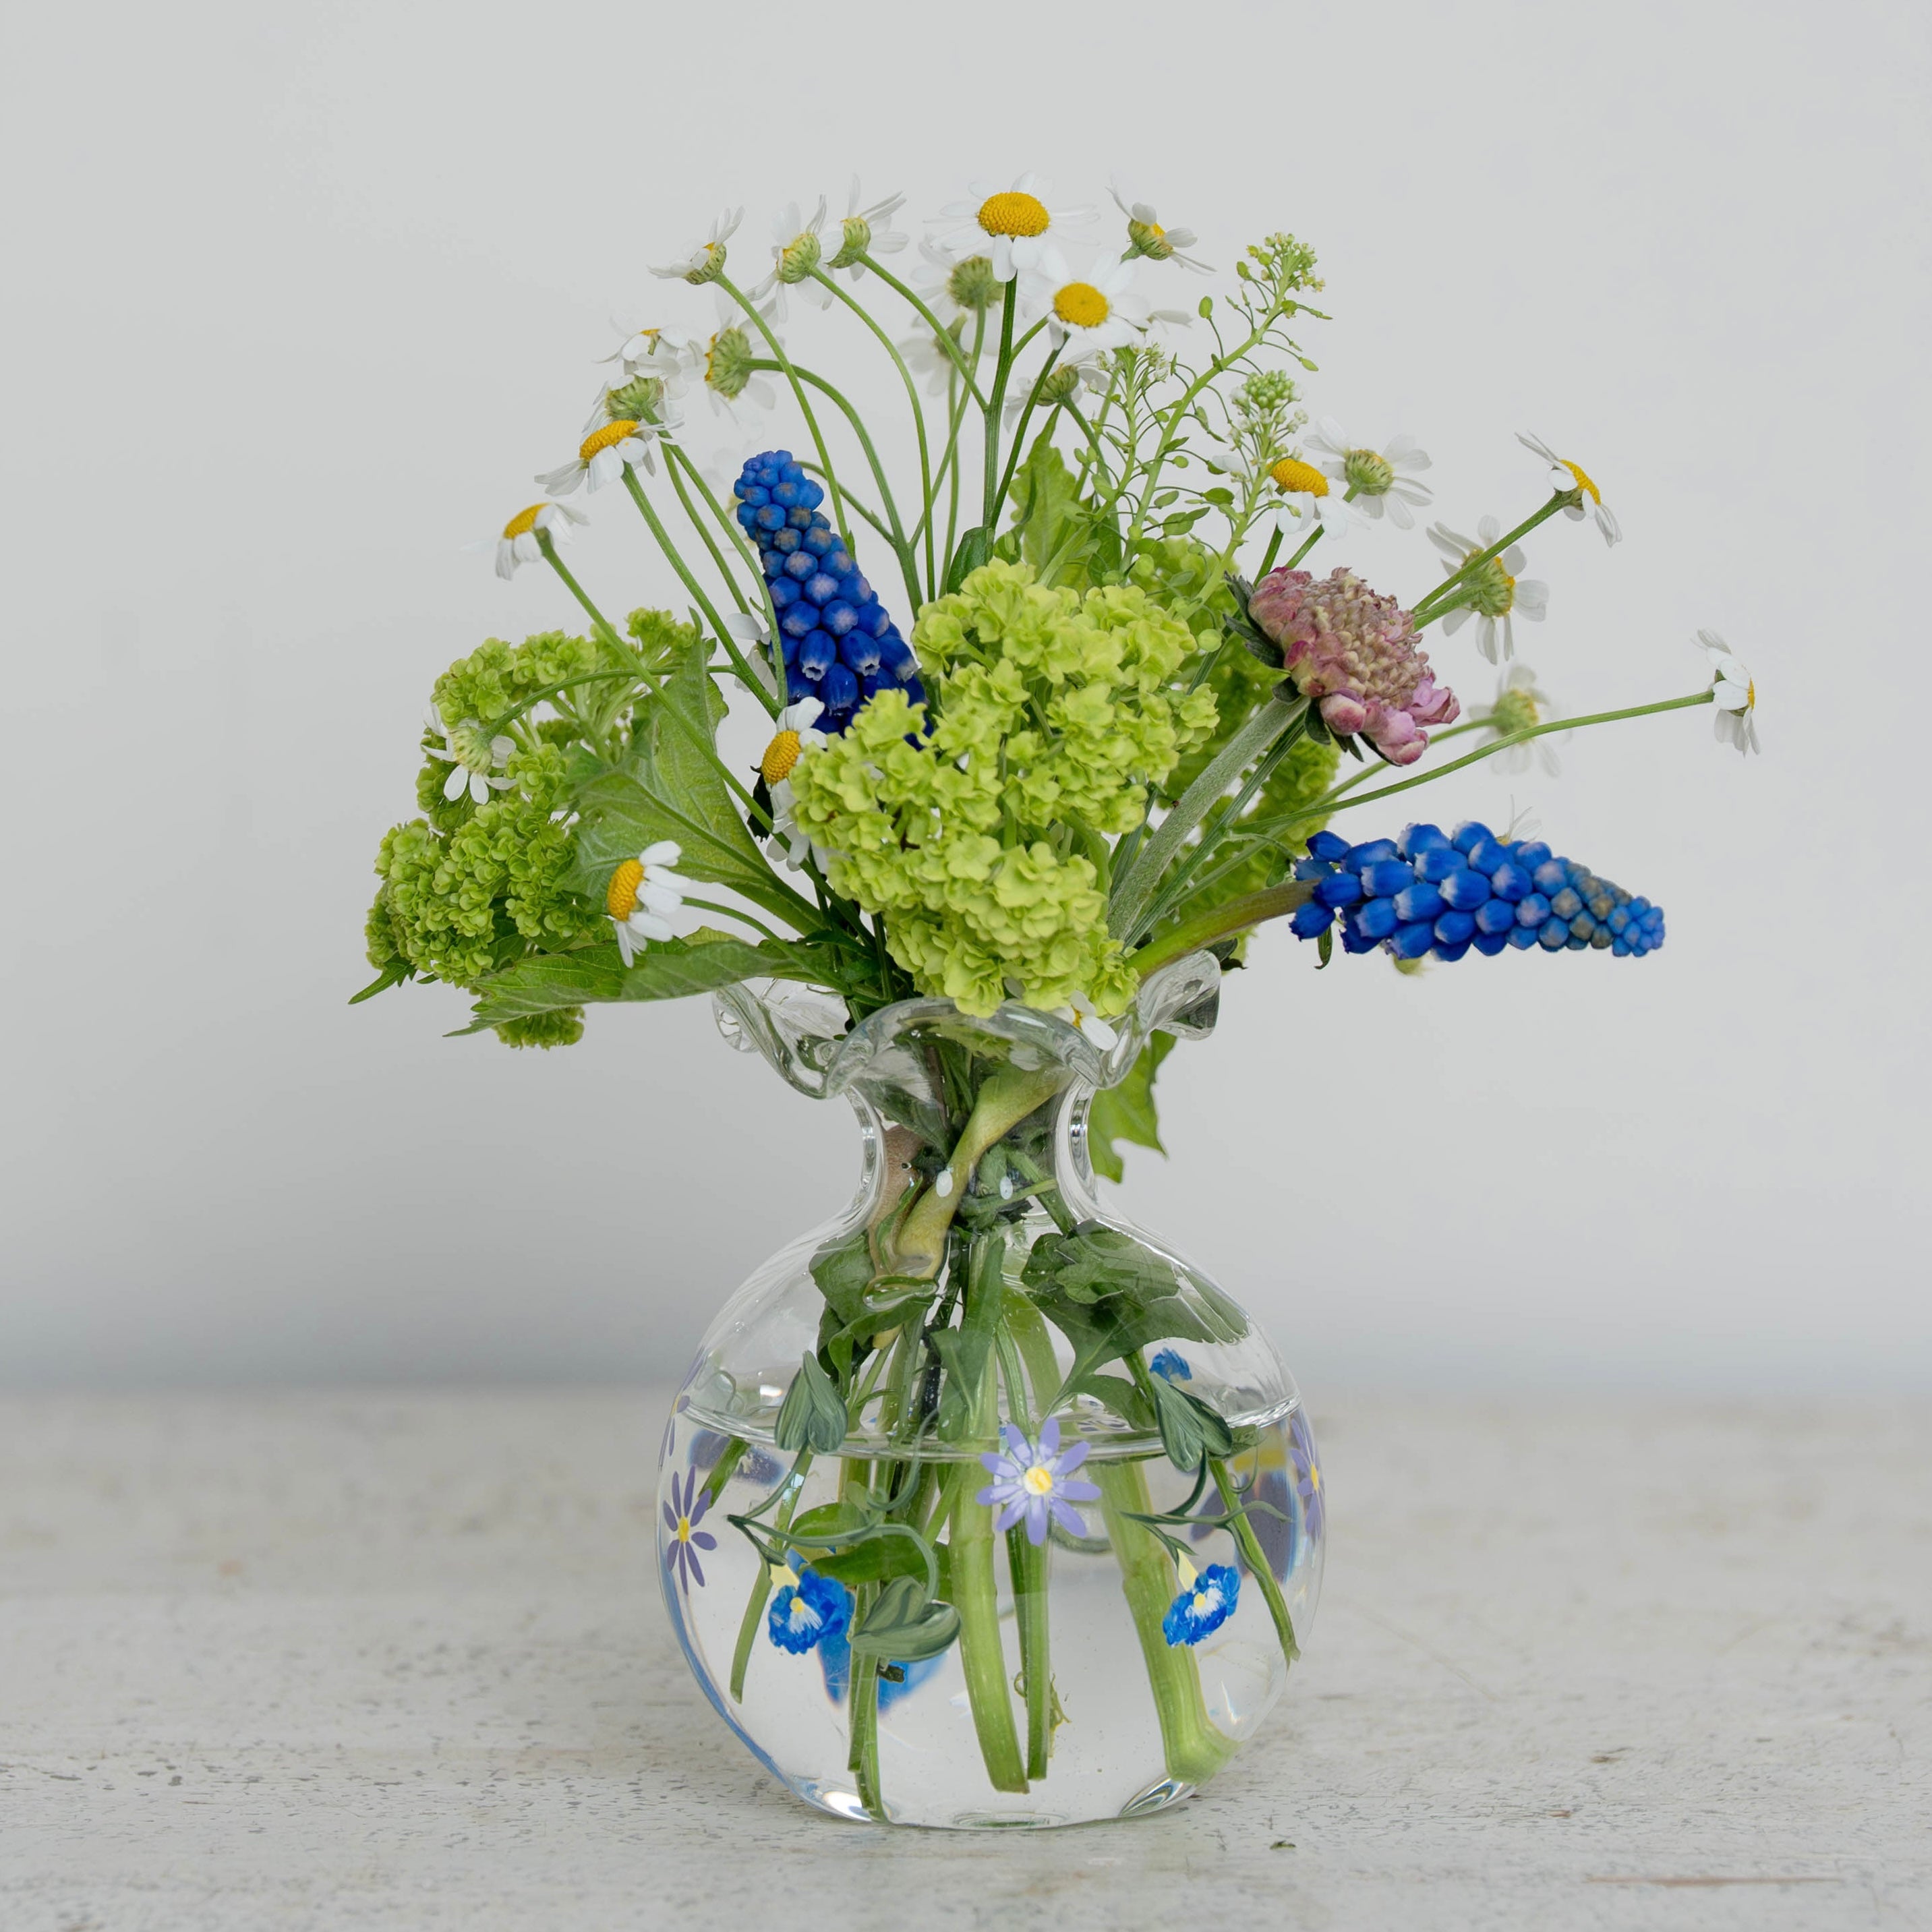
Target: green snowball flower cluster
x,y
983,844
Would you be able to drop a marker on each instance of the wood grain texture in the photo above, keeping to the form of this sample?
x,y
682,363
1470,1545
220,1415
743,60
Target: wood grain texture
x,y
293,1662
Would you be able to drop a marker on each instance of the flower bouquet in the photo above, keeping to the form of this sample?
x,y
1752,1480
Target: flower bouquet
x,y
979,1504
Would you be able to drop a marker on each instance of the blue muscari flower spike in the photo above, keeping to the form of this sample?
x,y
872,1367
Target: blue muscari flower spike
x,y
809,1610
1427,892
836,641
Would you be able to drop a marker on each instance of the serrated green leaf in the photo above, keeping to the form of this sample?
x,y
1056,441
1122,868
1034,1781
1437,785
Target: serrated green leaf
x,y
669,969
812,1415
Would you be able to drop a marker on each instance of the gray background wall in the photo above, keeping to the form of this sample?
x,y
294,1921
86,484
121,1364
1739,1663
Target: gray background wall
x,y
300,297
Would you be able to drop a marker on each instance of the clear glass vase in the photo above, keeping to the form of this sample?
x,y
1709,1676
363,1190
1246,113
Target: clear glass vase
x,y
980,1506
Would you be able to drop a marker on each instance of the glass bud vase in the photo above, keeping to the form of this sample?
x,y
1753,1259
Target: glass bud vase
x,y
980,1506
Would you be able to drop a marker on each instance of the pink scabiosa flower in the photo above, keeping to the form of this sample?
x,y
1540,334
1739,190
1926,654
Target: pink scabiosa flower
x,y
1351,652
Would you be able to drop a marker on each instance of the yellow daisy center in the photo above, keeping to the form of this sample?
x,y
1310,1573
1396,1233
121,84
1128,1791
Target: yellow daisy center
x,y
610,434
1080,305
1751,694
781,755
1314,1477
1013,213
1298,478
1158,233
1038,1481
1583,482
1203,1603
683,1531
621,901
524,521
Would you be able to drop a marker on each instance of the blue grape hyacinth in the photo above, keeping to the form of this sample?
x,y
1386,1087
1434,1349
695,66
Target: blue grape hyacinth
x,y
838,642
1438,894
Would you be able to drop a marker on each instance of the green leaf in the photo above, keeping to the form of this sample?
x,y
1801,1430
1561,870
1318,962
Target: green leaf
x,y
873,1559
904,1624
812,1415
1056,535
1189,1429
843,1271
1110,1294
392,974
667,970
1127,1112
964,1353
621,814
975,547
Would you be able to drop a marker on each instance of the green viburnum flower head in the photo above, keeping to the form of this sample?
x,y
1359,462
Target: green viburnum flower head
x,y
463,902
563,1026
1055,712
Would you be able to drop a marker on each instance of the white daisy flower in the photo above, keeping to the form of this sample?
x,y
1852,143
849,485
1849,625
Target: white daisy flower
x,y
705,263
474,761
604,454
518,544
1519,705
1083,370
644,893
1495,594
796,251
793,736
1089,313
1307,497
1377,477
1146,236
1080,1014
1571,478
1008,225
864,231
651,350
750,629
1736,698
724,360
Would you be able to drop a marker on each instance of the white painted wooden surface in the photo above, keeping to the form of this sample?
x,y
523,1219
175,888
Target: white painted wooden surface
x,y
398,1660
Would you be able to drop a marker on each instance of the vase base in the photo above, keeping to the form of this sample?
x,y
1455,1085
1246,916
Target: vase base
x,y
843,1803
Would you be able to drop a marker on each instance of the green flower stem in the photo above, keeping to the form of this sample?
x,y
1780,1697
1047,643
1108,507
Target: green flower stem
x,y
933,323
783,362
722,1470
1221,922
908,561
1020,430
1134,890
1256,1558
1268,555
1026,1564
731,912
1334,801
862,1716
1001,370
912,398
1175,890
761,1590
853,502
1194,1750
1438,600
675,471
949,461
1168,424
604,628
974,1586
1005,1100
1314,537
670,549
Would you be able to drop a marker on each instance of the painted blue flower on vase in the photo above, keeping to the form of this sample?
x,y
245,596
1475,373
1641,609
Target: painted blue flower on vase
x,y
1206,1600
808,1610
